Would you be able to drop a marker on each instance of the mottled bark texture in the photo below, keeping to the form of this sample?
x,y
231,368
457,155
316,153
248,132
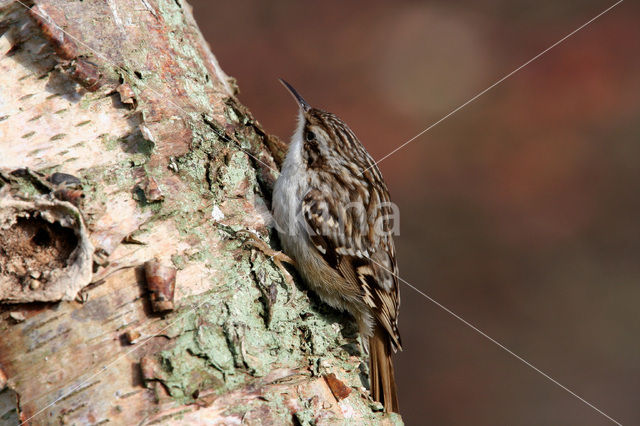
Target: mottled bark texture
x,y
126,97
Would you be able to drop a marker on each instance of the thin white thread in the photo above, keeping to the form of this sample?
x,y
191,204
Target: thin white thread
x,y
106,367
400,278
492,86
48,19
500,345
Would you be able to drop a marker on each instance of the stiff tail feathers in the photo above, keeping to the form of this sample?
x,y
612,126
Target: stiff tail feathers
x,y
381,373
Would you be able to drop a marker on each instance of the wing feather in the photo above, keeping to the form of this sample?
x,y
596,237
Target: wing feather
x,y
346,238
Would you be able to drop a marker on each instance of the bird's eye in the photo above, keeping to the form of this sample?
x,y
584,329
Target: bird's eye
x,y
309,136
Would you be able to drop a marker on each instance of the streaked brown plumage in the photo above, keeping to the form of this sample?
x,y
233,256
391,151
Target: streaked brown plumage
x,y
332,212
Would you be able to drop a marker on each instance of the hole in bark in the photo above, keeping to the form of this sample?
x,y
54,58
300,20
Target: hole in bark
x,y
33,246
42,237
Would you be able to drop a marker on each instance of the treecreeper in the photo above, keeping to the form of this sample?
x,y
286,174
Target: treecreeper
x,y
332,211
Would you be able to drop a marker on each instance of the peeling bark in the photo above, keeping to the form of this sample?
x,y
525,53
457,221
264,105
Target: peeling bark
x,y
126,96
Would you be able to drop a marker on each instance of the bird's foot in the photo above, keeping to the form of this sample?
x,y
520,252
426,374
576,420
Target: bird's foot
x,y
276,256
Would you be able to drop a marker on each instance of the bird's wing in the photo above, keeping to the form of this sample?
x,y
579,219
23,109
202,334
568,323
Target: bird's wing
x,y
354,239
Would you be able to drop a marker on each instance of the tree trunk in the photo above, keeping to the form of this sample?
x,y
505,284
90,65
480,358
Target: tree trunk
x,y
126,96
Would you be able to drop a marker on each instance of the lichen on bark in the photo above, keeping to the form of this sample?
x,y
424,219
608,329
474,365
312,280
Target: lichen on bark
x,y
126,96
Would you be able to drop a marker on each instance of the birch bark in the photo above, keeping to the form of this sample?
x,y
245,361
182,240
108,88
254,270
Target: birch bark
x,y
127,97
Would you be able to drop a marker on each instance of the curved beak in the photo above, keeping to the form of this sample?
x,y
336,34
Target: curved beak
x,y
299,99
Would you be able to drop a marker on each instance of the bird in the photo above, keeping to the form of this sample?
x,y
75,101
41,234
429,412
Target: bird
x,y
334,218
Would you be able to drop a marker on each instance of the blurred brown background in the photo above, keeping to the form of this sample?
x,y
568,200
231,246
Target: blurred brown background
x,y
520,212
